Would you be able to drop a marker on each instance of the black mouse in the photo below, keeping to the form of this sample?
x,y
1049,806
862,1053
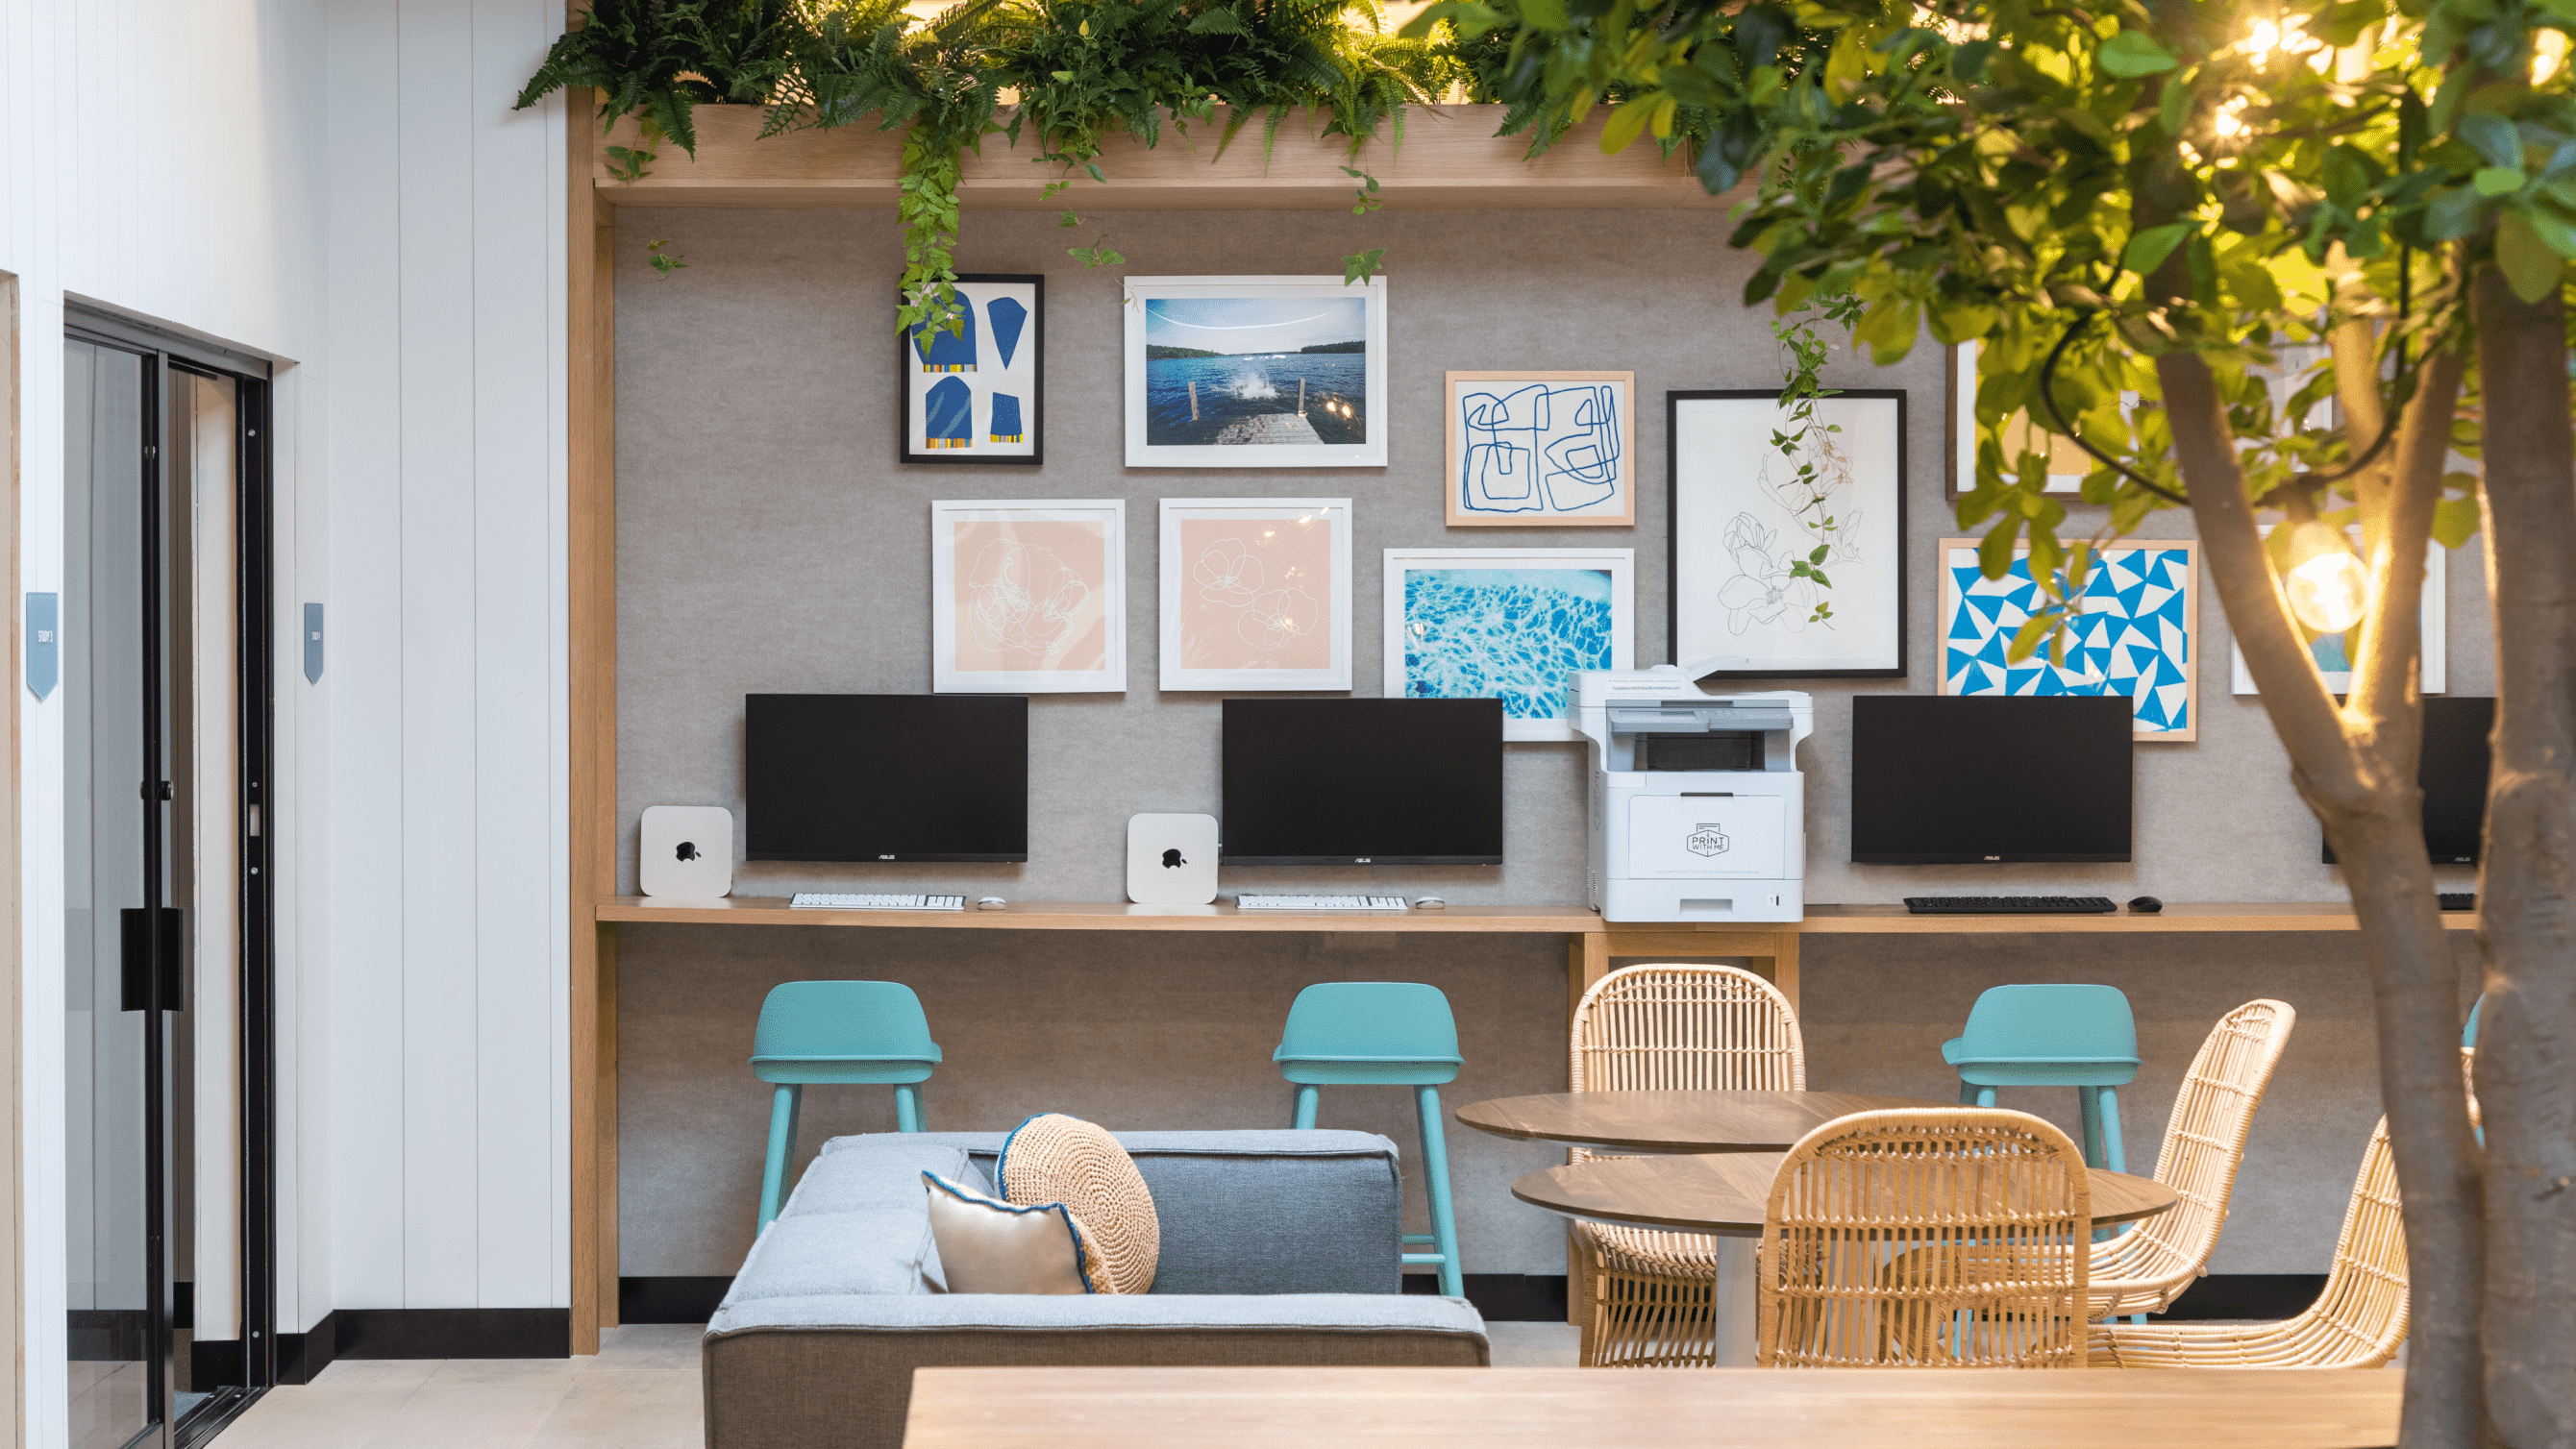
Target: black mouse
x,y
2146,905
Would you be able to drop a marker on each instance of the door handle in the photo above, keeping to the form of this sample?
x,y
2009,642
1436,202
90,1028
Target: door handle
x,y
135,937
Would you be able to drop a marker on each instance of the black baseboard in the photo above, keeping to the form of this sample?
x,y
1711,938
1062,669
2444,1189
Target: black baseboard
x,y
2245,1295
423,1333
670,1300
1504,1297
214,1364
301,1357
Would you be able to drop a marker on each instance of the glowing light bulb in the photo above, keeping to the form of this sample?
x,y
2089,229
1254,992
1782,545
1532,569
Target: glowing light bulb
x,y
2548,53
2329,587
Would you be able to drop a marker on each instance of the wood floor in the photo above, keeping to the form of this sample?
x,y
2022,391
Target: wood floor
x,y
641,1392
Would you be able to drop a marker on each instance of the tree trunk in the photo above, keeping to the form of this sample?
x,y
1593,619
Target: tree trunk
x,y
2358,773
2526,1068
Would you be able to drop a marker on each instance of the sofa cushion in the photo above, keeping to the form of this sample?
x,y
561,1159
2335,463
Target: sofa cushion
x,y
987,1245
1053,1158
856,1224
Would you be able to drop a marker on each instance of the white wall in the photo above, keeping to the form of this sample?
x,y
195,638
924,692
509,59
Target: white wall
x,y
339,184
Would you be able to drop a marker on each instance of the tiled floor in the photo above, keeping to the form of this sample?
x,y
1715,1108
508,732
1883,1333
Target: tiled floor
x,y
641,1392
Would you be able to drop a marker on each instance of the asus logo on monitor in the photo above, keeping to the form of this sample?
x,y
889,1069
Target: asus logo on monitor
x,y
885,857
1363,860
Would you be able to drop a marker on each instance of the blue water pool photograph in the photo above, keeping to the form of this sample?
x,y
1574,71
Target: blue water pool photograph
x,y
1507,630
1255,371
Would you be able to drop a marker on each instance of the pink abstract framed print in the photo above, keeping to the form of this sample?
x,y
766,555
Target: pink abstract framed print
x,y
1028,596
1256,593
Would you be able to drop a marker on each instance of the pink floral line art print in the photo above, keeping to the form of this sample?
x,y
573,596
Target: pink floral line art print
x,y
1256,593
1025,599
1229,575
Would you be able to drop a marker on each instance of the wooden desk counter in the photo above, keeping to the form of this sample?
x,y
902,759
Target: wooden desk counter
x,y
1104,916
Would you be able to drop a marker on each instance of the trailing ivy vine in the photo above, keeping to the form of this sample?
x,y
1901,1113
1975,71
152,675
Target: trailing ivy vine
x,y
1082,71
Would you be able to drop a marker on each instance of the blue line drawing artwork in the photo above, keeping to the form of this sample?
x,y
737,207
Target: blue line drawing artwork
x,y
1512,634
948,415
1539,447
1008,318
2131,637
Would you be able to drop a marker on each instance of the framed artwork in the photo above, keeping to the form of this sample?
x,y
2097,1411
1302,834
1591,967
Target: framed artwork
x,y
2067,463
1542,449
1775,576
2336,665
1256,372
1028,596
1507,623
1256,593
2135,636
977,394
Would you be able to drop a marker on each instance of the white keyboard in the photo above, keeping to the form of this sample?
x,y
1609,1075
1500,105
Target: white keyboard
x,y
1319,903
819,900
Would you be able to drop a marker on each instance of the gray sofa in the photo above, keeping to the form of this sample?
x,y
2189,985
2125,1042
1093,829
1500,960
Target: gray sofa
x,y
1277,1248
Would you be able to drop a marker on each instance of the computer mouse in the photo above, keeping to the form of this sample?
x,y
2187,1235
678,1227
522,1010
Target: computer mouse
x,y
1431,903
990,903
2146,905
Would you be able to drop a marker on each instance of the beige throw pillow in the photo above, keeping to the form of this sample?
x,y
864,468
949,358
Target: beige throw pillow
x,y
990,1246
1052,1158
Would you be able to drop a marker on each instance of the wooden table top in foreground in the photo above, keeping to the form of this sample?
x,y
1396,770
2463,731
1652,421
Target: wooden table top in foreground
x,y
1675,1121
1360,1408
1727,1194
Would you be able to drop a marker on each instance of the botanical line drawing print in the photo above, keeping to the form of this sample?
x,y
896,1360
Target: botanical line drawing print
x,y
1276,618
1230,574
1024,598
1778,570
1539,447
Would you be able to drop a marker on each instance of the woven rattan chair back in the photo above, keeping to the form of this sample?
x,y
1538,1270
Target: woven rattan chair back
x,y
2357,1322
1933,1237
1675,1028
2146,1268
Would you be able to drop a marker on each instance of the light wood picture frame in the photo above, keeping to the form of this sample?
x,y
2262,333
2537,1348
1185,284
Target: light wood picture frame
x,y
2138,633
1028,596
1545,449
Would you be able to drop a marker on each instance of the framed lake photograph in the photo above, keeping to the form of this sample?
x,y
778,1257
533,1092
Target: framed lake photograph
x,y
1542,449
976,392
1256,593
1787,565
1256,372
1508,624
1028,596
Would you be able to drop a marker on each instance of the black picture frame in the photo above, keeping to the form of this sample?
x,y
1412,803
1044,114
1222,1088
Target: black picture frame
x,y
1673,579
905,376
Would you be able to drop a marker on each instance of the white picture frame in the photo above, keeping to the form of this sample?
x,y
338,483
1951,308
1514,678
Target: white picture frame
x,y
1424,660
1256,594
1251,367
1546,449
1963,436
2433,619
1028,596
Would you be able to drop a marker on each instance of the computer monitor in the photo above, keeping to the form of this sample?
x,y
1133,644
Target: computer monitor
x,y
2453,774
886,777
1363,782
1945,779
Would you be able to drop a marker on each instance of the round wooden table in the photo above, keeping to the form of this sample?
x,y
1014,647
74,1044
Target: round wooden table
x,y
1675,1121
1726,1195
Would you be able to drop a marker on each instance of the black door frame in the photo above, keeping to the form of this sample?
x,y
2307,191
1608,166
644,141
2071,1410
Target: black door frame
x,y
256,825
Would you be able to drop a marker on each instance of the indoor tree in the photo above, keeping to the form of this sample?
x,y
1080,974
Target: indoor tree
x,y
2149,216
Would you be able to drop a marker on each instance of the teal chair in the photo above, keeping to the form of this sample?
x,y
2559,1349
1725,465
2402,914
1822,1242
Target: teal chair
x,y
2053,1036
836,1031
1383,1033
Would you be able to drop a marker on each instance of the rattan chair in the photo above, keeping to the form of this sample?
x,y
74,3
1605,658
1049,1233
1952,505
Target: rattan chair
x,y
1929,1237
1668,1028
2145,1269
2357,1322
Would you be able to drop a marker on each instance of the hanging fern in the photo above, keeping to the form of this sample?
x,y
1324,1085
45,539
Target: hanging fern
x,y
658,60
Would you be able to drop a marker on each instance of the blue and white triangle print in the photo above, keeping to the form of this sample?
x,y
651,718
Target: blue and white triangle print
x,y
2132,635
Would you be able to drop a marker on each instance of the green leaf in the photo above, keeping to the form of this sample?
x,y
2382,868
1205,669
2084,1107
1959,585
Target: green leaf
x,y
2498,180
1625,125
2148,249
2132,53
1360,267
2455,521
1545,14
2026,639
2528,262
2493,138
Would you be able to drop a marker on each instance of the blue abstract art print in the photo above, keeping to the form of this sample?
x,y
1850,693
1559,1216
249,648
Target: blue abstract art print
x,y
2136,633
1541,449
976,392
1508,624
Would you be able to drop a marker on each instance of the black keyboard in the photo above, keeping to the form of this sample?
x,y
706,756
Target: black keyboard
x,y
2459,900
2010,905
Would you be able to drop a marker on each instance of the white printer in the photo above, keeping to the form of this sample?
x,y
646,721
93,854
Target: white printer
x,y
1698,809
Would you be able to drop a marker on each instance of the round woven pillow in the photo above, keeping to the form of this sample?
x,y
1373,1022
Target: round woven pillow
x,y
1055,1158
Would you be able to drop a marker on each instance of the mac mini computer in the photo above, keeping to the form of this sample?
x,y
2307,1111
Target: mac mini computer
x,y
1171,860
686,852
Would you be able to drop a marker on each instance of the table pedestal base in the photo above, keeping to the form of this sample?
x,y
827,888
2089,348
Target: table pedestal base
x,y
1731,1310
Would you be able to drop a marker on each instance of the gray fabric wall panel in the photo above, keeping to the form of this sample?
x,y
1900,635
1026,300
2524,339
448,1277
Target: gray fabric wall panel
x,y
767,542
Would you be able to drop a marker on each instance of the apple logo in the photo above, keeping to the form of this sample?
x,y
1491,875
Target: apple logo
x,y
688,850
1172,860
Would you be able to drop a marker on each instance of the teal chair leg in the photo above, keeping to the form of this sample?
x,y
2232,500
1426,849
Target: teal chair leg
x,y
1304,1118
1967,1093
2114,1156
1435,1173
907,1107
782,1146
2089,1100
1985,1096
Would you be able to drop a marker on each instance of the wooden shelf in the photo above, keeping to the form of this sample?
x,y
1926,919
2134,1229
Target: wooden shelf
x,y
1450,159
2176,916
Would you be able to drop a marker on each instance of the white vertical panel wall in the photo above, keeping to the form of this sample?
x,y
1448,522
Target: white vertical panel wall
x,y
340,184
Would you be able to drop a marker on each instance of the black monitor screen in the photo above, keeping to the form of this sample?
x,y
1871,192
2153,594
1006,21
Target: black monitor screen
x,y
2453,773
1363,782
1939,779
886,776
